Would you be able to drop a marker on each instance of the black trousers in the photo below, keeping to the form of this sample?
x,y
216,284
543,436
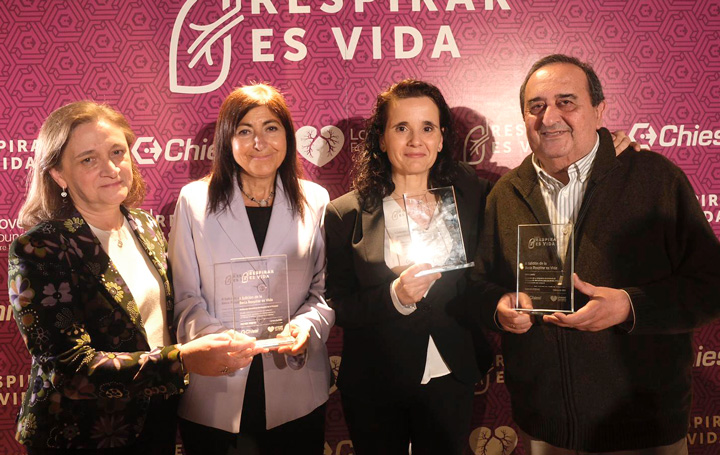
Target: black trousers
x,y
305,435
158,437
434,417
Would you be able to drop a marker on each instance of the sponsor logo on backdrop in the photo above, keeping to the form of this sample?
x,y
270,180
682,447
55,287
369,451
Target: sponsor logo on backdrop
x,y
198,46
709,204
17,154
319,147
6,313
476,142
673,135
502,441
496,374
147,150
485,140
335,367
703,430
343,447
12,388
9,231
705,359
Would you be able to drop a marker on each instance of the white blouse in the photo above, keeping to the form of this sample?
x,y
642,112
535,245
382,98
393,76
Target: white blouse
x,y
142,279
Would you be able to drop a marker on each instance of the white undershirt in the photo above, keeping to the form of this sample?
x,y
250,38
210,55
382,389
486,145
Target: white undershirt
x,y
142,279
396,255
563,201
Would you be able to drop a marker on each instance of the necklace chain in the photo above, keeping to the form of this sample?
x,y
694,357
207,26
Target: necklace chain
x,y
261,202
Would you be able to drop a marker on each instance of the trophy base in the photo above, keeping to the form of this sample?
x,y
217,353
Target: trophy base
x,y
274,342
445,268
542,312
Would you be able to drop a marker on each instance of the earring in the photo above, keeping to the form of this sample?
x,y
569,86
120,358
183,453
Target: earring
x,y
63,193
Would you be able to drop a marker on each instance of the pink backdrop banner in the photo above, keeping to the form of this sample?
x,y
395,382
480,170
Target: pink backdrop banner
x,y
168,65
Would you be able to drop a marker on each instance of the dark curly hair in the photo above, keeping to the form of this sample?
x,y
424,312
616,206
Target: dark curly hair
x,y
372,172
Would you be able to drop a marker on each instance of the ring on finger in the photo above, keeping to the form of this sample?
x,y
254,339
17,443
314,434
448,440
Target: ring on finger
x,y
225,371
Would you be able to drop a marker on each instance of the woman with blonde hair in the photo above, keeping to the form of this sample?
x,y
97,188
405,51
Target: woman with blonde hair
x,y
90,291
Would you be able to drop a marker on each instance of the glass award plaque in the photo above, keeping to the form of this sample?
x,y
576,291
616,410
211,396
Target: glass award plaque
x,y
545,265
435,233
253,297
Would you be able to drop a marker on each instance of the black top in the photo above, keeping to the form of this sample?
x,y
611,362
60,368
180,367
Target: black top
x,y
259,221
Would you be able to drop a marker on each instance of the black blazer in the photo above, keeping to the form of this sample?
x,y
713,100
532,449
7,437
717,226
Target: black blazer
x,y
384,351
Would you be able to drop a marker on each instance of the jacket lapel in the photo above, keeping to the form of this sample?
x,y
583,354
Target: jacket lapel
x,y
235,224
95,260
373,243
526,183
154,245
281,218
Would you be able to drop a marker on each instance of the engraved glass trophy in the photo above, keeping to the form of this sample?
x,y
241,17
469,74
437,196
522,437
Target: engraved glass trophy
x,y
434,230
545,265
253,297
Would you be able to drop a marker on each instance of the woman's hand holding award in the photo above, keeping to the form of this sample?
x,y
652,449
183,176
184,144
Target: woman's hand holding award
x,y
253,299
434,235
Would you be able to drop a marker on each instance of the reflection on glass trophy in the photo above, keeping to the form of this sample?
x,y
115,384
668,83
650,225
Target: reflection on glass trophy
x,y
434,232
545,264
253,297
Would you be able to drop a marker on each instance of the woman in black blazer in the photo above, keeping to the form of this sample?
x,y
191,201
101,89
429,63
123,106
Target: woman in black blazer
x,y
410,360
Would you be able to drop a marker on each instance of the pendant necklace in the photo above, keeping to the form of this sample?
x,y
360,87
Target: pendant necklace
x,y
261,202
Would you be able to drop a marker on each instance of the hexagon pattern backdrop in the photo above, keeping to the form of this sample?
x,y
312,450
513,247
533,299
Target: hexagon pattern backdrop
x,y
168,64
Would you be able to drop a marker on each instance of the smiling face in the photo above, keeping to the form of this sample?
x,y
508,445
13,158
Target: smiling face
x,y
259,144
560,119
412,137
95,167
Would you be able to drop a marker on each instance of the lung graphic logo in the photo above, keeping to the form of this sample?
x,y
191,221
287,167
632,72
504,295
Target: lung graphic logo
x,y
206,37
477,143
647,138
320,148
502,442
146,150
335,367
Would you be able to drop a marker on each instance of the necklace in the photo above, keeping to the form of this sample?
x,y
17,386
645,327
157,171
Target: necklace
x,y
119,238
262,202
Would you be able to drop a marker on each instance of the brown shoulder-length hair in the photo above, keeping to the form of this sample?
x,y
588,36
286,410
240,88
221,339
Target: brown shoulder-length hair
x,y
372,171
44,202
225,170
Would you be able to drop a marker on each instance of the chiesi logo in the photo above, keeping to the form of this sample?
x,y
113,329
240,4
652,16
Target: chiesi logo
x,y
319,147
408,41
673,135
147,150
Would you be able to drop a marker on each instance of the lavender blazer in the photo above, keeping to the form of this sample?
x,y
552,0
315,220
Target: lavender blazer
x,y
198,241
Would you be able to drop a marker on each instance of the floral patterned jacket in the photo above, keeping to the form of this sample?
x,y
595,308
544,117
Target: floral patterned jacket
x,y
93,373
